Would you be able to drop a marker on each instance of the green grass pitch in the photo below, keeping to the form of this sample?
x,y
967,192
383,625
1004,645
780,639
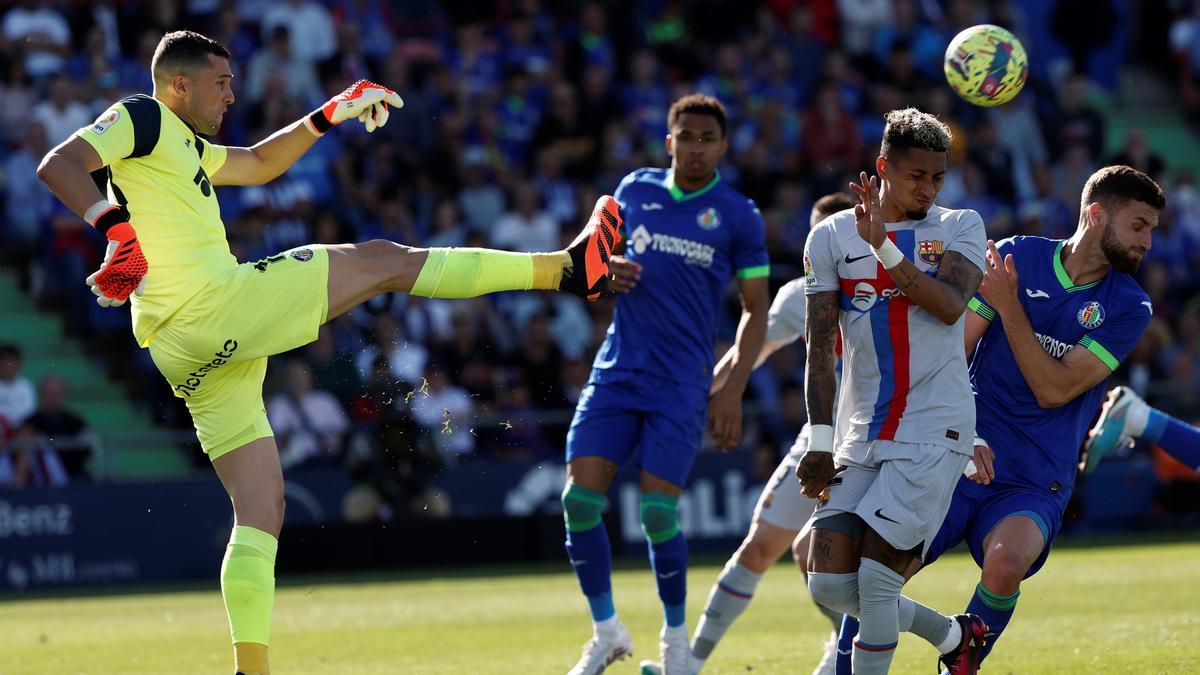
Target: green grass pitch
x,y
1113,608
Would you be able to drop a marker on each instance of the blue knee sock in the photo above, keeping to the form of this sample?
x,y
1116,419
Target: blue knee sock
x,y
669,562
996,611
845,648
1178,439
668,553
588,548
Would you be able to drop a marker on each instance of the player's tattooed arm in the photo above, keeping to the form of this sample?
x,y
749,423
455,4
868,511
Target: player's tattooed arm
x,y
820,336
944,296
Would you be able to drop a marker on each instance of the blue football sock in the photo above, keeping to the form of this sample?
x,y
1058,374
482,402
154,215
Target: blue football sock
x,y
669,562
845,648
668,553
588,548
1177,438
996,611
591,556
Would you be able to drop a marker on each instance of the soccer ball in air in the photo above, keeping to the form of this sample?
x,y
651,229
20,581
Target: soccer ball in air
x,y
986,65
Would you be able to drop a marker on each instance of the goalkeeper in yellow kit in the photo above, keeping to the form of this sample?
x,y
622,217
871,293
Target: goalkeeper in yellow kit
x,y
209,322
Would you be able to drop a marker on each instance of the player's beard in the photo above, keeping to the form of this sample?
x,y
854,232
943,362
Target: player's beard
x,y
1118,256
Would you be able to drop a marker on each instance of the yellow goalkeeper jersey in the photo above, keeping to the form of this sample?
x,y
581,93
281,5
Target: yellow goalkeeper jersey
x,y
158,168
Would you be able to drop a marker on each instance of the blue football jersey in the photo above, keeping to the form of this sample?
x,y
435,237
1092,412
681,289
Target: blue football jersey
x,y
690,245
1039,447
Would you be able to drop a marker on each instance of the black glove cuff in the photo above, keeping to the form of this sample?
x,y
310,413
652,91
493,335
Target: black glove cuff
x,y
110,218
319,121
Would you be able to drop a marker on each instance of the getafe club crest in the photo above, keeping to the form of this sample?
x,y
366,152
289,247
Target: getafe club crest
x,y
302,254
709,219
930,252
1091,315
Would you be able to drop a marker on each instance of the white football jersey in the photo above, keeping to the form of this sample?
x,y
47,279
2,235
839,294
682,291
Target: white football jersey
x,y
904,371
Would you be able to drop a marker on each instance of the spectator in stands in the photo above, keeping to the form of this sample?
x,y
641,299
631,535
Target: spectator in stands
x,y
1136,152
831,143
310,25
526,227
18,400
27,208
39,35
62,428
61,114
1078,123
405,358
281,59
309,423
29,461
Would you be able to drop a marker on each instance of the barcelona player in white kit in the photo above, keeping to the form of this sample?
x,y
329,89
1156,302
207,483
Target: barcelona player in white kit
x,y
896,275
1053,319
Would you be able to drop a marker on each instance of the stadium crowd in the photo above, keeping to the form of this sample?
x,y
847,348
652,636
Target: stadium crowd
x,y
517,116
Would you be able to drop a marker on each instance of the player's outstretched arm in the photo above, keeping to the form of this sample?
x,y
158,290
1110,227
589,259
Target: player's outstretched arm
x,y
944,296
820,386
725,406
266,160
1054,383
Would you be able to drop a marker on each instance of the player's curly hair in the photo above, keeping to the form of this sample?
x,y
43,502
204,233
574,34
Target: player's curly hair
x,y
912,129
697,103
1117,185
182,50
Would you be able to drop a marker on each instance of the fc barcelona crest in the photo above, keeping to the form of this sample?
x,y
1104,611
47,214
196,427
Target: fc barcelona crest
x,y
930,252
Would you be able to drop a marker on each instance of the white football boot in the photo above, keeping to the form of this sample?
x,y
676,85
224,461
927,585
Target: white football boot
x,y
602,650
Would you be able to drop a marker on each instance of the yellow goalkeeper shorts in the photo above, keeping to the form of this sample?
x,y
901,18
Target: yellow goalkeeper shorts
x,y
214,350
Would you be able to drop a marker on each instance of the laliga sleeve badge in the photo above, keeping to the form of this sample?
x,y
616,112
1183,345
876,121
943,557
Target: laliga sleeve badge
x,y
106,120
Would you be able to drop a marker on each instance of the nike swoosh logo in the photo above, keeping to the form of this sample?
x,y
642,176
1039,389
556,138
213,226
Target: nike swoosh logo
x,y
652,206
1036,294
668,575
879,514
579,563
850,260
1149,306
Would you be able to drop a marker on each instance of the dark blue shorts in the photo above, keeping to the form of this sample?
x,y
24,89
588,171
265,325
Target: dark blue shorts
x,y
975,509
657,422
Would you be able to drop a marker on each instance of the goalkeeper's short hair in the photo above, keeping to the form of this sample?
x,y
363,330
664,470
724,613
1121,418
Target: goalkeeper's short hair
x,y
183,50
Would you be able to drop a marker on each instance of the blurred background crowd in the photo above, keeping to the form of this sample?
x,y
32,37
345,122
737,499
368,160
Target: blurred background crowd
x,y
517,115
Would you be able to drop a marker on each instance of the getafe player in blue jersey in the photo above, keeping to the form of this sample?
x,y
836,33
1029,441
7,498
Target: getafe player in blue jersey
x,y
688,234
1052,320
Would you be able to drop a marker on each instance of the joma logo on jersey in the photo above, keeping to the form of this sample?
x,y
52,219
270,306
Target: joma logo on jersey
x,y
1091,315
930,252
694,252
1053,346
219,359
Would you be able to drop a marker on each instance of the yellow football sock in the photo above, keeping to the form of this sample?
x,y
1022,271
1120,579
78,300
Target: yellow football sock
x,y
250,658
468,272
248,586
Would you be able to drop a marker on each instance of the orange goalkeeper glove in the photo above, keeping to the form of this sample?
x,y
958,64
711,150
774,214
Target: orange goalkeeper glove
x,y
365,100
124,268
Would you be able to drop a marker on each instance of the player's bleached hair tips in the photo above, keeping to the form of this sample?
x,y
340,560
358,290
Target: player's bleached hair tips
x,y
182,50
912,129
1115,186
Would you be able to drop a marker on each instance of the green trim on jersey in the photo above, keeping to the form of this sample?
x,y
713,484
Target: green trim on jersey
x,y
679,195
1061,273
756,272
981,308
1101,353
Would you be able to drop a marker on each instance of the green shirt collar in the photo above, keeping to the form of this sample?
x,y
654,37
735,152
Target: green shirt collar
x,y
679,195
1061,273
